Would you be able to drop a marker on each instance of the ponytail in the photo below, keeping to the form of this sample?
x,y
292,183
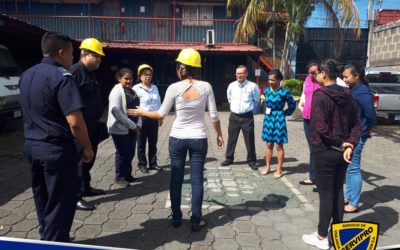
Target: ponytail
x,y
356,69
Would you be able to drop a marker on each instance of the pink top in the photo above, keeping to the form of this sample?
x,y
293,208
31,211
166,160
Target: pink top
x,y
308,89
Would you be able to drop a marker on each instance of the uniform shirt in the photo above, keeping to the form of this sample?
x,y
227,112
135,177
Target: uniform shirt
x,y
243,98
189,122
90,91
48,94
149,98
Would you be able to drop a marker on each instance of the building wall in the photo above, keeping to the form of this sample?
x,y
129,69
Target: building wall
x,y
317,44
385,45
79,25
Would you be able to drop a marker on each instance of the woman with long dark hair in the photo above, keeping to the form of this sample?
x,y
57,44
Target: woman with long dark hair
x,y
188,133
354,77
335,130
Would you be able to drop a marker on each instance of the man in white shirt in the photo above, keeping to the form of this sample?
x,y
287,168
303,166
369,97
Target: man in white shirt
x,y
243,97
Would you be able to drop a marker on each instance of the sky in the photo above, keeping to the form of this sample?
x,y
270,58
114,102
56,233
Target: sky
x,y
318,17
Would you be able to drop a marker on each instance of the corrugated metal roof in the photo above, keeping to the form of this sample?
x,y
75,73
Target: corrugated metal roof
x,y
174,47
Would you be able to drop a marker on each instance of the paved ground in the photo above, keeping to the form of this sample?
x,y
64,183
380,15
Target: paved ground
x,y
244,210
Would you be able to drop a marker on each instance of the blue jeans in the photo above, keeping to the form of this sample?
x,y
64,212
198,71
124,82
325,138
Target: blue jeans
x,y
353,175
178,149
125,151
306,125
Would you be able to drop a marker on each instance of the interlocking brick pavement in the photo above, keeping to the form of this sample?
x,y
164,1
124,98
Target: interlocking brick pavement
x,y
244,210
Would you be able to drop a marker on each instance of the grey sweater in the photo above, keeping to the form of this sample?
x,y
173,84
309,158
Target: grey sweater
x,y
118,121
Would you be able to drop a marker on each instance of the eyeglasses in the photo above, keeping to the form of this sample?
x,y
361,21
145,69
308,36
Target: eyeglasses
x,y
316,73
146,74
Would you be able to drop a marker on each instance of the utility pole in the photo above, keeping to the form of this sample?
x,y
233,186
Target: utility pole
x,y
370,29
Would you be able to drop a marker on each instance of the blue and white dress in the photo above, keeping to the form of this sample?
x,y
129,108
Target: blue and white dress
x,y
274,128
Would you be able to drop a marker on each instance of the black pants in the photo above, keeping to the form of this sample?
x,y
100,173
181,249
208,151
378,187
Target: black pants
x,y
94,134
125,146
148,132
244,122
330,171
55,185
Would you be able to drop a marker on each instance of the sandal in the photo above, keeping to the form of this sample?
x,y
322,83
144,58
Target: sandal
x,y
277,176
199,226
346,201
264,172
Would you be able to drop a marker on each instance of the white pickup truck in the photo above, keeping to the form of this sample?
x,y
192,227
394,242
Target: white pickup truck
x,y
385,84
9,89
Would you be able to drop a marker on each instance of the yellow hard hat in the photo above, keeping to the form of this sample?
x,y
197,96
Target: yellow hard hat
x,y
93,45
142,67
190,57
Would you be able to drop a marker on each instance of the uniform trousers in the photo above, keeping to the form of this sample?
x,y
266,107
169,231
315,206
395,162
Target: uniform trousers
x,y
94,135
55,185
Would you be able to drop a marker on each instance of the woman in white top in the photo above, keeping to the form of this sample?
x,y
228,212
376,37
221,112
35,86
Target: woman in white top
x,y
188,132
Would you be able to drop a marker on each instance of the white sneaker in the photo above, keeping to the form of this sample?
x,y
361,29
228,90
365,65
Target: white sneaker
x,y
313,239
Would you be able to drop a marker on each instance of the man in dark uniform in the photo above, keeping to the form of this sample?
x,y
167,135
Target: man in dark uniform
x,y
52,116
90,90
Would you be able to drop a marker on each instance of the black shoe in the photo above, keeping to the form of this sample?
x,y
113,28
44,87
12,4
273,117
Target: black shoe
x,y
122,183
315,190
199,226
143,169
156,167
93,192
176,223
253,165
84,205
130,179
226,163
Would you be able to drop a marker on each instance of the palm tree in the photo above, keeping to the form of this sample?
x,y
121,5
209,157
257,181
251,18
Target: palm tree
x,y
294,14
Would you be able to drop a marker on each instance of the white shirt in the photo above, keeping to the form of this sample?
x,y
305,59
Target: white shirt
x,y
244,97
149,98
189,122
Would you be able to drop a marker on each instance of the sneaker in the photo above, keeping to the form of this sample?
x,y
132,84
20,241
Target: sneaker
x,y
312,239
122,183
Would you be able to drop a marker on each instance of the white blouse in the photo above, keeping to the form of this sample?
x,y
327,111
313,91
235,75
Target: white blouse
x,y
189,122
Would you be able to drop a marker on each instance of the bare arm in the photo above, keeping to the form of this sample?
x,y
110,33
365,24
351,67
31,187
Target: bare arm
x,y
220,139
302,102
141,112
79,131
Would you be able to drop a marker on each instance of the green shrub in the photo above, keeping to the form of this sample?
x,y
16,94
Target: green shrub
x,y
294,86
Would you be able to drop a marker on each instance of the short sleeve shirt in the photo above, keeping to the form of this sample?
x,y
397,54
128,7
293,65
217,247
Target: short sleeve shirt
x,y
48,95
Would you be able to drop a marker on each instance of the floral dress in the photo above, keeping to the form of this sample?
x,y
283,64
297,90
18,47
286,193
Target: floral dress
x,y
274,127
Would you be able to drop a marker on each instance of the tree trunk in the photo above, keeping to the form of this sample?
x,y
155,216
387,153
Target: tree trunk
x,y
285,54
